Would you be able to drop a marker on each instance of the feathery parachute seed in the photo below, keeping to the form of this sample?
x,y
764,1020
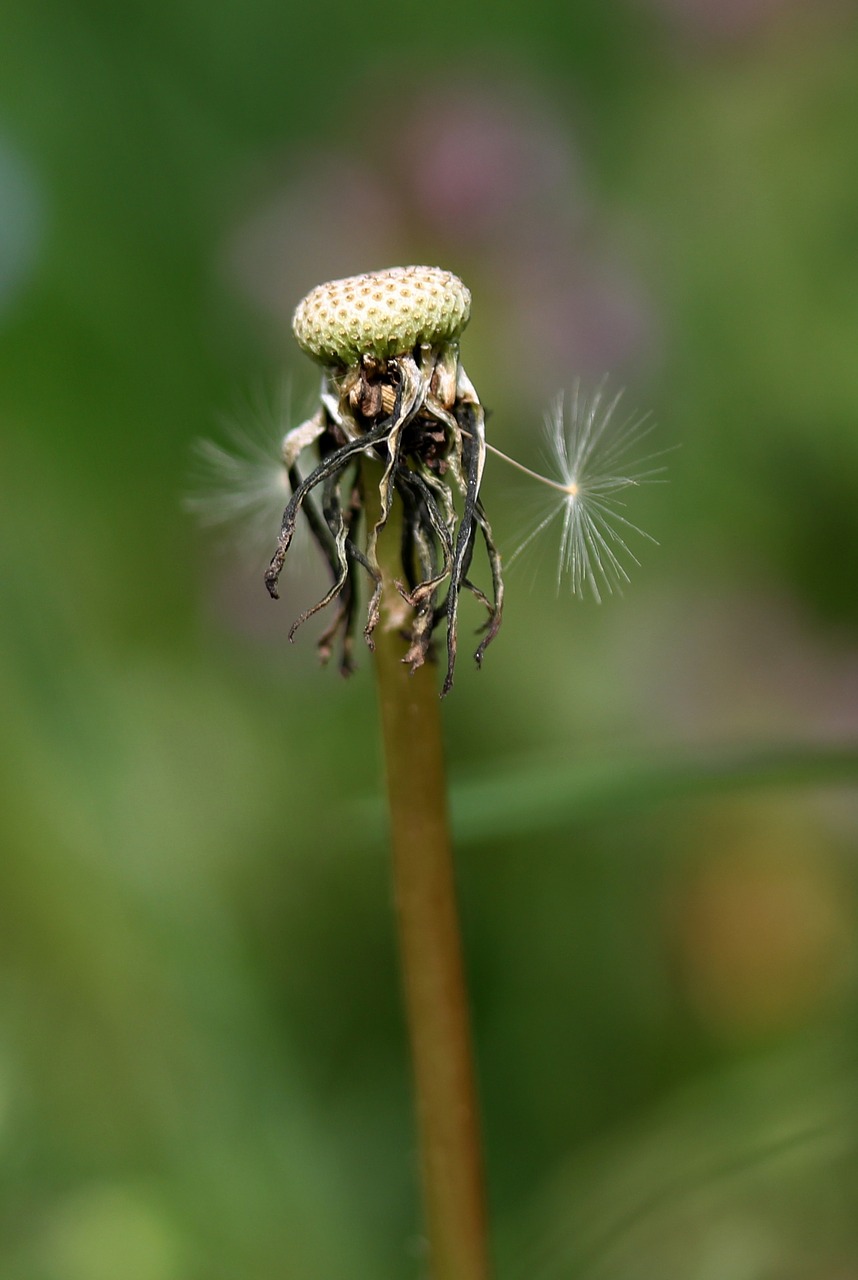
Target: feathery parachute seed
x,y
381,314
596,460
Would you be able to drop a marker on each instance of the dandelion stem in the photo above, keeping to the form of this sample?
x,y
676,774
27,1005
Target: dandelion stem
x,y
429,938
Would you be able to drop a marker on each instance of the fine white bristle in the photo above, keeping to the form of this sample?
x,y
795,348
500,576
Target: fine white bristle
x,y
241,486
594,459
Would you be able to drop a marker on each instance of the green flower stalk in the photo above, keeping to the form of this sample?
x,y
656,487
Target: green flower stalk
x,y
436,1002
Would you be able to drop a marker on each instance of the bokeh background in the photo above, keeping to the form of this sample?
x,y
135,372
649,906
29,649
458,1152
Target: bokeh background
x,y
203,1073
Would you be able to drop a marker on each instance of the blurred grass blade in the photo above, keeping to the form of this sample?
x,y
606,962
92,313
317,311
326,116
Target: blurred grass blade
x,y
733,1176
523,799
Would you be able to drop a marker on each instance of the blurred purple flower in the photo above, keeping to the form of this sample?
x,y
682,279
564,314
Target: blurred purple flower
x,y
475,160
727,19
564,315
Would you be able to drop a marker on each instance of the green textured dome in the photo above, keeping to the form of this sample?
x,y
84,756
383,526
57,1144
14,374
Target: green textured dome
x,y
382,313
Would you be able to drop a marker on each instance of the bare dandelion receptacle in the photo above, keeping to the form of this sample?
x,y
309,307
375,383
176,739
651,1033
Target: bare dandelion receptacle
x,y
381,314
393,391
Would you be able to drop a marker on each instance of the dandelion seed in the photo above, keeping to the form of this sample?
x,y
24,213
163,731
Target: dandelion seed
x,y
594,461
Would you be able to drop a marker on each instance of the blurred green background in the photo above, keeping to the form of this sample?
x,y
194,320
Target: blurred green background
x,y
203,1073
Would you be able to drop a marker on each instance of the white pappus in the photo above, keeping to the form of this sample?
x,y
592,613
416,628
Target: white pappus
x,y
595,460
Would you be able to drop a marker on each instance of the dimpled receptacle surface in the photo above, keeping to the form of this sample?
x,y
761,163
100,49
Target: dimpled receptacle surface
x,y
382,314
